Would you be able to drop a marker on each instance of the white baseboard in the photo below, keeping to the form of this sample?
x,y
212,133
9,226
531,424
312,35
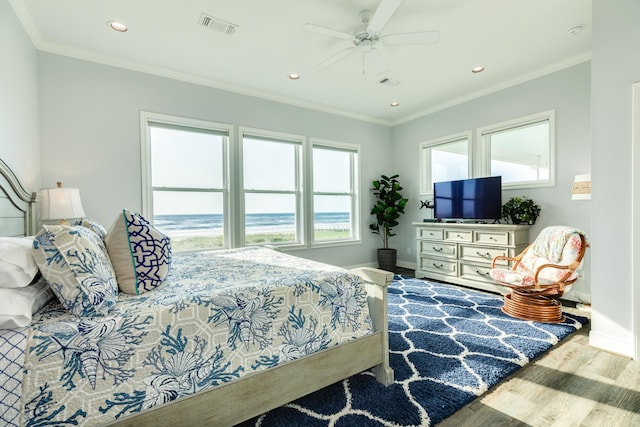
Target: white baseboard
x,y
406,264
612,344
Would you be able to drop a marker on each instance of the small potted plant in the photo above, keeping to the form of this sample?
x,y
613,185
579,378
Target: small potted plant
x,y
386,211
521,210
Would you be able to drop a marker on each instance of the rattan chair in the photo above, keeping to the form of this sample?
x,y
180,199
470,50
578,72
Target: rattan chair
x,y
541,274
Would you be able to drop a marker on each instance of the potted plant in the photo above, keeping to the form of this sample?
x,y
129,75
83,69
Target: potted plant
x,y
386,211
521,210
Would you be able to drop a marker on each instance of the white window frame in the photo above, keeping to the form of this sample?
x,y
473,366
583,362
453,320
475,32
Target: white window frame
x,y
354,191
483,137
233,176
424,154
146,121
280,137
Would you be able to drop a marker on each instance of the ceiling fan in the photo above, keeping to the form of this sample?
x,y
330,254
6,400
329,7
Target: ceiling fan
x,y
369,35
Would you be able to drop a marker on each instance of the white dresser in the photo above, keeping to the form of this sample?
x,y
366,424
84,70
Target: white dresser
x,y
461,253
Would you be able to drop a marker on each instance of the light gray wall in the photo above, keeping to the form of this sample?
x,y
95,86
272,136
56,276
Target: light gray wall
x,y
19,143
568,92
615,67
91,135
90,139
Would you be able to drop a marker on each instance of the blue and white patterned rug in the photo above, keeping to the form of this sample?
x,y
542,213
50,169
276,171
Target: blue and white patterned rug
x,y
448,345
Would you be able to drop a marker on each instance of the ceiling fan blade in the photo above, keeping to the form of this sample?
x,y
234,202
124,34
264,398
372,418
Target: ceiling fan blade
x,y
424,37
335,58
327,31
382,15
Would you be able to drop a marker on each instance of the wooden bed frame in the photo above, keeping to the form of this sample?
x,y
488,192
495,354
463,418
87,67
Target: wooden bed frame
x,y
226,404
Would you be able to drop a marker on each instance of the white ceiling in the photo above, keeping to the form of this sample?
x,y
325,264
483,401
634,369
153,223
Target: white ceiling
x,y
515,40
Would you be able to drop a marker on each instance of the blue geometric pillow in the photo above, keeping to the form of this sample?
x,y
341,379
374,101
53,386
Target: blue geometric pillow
x,y
75,262
140,254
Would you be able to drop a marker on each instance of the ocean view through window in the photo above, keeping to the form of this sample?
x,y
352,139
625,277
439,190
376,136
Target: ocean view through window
x,y
260,226
207,187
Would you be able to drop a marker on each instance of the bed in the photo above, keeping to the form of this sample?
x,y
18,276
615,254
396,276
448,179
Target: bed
x,y
243,360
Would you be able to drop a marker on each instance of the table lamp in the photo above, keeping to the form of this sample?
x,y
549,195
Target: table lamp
x,y
60,203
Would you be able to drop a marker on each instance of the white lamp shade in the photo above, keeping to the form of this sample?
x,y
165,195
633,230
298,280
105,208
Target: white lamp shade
x,y
581,187
60,203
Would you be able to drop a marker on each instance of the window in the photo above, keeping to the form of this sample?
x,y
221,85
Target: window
x,y
272,188
521,151
444,159
335,192
185,183
206,189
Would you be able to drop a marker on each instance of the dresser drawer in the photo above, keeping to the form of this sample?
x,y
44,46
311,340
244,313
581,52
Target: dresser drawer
x,y
440,266
425,233
492,237
458,235
474,272
483,254
449,250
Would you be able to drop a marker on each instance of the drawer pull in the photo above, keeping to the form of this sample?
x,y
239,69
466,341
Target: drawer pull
x,y
438,266
487,255
437,249
493,238
486,273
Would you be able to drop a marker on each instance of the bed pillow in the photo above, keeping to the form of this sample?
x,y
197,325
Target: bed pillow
x,y
139,253
93,226
75,263
17,266
17,305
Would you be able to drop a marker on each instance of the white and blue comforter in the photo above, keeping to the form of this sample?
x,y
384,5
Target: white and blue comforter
x,y
217,317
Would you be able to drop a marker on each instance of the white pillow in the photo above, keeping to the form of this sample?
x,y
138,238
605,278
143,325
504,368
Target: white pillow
x,y
17,265
17,305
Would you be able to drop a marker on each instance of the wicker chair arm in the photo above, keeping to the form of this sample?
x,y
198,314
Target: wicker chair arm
x,y
516,259
498,258
561,282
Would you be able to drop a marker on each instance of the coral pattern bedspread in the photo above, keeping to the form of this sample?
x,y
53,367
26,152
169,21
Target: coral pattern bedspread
x,y
218,316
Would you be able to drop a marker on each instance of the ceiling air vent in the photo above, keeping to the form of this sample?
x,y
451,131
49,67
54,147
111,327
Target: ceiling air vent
x,y
387,81
216,24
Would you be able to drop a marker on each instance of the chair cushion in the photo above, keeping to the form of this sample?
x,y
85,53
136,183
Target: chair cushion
x,y
571,249
552,242
515,278
558,245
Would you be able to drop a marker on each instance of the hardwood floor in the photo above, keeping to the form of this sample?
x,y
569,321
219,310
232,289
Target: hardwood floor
x,y
573,384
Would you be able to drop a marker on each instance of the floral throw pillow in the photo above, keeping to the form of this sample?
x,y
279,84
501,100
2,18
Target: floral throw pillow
x,y
93,226
75,263
139,252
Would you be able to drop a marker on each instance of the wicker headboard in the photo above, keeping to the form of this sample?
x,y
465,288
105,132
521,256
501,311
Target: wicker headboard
x,y
17,217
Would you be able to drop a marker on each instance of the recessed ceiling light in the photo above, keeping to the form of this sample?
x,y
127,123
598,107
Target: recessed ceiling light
x,y
395,104
294,76
477,69
118,26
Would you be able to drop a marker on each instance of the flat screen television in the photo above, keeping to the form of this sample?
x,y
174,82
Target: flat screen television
x,y
472,199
